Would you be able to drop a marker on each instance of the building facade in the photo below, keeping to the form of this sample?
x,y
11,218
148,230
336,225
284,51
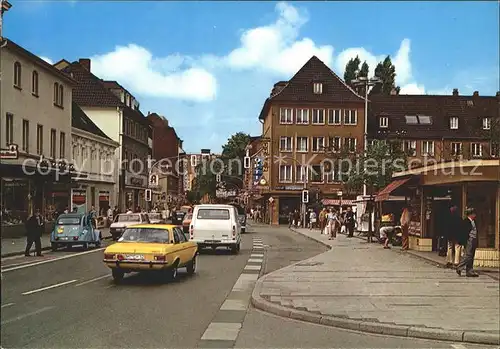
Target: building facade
x,y
305,120
193,160
116,112
93,154
36,125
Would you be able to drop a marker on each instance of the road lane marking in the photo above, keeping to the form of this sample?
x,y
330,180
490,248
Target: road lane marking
x,y
255,260
459,346
253,267
92,280
222,331
234,304
256,255
49,287
20,317
7,305
52,260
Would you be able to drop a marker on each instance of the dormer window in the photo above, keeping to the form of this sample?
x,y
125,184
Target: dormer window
x,y
411,120
318,88
454,123
383,122
486,123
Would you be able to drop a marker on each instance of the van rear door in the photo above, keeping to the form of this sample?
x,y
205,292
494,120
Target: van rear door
x,y
212,224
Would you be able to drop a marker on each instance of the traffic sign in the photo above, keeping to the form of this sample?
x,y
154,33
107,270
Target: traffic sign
x,y
271,199
153,180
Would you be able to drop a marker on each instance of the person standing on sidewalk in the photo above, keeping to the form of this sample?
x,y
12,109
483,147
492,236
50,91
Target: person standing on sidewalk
x,y
349,222
34,230
405,225
455,237
470,228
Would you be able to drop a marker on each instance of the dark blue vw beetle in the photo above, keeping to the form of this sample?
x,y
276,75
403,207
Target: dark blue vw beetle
x,y
73,229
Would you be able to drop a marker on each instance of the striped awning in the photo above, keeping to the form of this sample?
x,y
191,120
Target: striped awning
x,y
336,202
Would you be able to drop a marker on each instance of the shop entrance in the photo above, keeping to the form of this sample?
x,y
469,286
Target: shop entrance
x,y
287,205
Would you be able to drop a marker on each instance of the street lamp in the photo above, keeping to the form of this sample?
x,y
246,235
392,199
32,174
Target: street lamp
x,y
365,83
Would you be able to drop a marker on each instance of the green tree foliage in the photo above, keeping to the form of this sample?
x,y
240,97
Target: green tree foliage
x,y
351,70
386,72
364,70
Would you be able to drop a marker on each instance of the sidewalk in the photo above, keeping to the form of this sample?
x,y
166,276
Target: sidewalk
x,y
15,246
363,287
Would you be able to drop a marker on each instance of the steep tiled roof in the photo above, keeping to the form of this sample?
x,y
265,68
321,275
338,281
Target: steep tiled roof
x,y
300,87
90,92
470,111
81,121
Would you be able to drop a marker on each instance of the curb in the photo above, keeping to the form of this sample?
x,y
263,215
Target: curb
x,y
46,248
366,326
311,238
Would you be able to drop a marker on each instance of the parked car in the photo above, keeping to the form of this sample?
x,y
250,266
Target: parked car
x,y
215,225
73,229
186,222
156,218
151,247
125,220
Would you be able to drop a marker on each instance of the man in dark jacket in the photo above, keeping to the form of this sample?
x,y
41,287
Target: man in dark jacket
x,y
455,236
470,230
349,222
34,229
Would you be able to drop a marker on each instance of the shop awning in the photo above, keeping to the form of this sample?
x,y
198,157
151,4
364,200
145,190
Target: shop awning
x,y
393,186
336,202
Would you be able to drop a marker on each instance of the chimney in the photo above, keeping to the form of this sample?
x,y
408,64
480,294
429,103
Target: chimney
x,y
476,94
455,91
85,62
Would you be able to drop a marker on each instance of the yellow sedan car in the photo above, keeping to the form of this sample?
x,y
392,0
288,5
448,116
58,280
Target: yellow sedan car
x,y
151,247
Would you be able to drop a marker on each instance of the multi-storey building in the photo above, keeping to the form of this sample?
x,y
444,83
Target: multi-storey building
x,y
306,118
167,147
35,119
434,128
192,161
93,154
116,112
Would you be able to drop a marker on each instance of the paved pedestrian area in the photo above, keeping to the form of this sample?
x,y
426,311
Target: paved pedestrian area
x,y
361,281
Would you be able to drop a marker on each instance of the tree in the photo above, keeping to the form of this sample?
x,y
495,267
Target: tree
x,y
365,69
386,72
351,70
233,153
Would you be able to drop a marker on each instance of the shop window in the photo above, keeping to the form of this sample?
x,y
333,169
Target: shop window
x,y
9,128
53,143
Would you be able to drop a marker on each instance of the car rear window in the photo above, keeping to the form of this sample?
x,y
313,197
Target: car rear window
x,y
128,218
213,213
69,221
146,235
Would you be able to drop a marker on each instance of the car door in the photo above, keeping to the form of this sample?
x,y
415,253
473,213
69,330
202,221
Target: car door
x,y
185,248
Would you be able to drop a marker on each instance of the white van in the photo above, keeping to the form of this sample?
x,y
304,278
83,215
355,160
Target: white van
x,y
215,226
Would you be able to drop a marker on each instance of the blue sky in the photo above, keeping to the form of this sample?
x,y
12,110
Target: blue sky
x,y
208,66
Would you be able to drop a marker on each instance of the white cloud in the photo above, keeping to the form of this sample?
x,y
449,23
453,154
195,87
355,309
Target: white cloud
x,y
412,89
275,48
136,68
46,59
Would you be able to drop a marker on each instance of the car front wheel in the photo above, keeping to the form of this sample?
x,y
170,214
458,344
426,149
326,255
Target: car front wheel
x,y
191,267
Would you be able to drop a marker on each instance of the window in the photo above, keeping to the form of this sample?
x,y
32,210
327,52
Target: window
x,y
476,149
52,143
17,74
350,144
318,116
26,136
318,144
411,148
302,116
61,95
316,174
411,119
495,150
335,144
285,174
486,123
39,139
300,174
350,117
456,148
302,144
286,115
328,174
318,88
62,145
285,143
383,122
428,148
334,116
454,123
424,120
9,128
34,83
56,93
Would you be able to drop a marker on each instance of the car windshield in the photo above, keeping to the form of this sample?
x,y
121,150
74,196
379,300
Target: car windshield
x,y
128,218
213,213
69,221
146,235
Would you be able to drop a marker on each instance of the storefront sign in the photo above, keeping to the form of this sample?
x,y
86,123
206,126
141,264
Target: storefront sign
x,y
289,187
225,193
10,153
78,200
103,195
137,181
414,229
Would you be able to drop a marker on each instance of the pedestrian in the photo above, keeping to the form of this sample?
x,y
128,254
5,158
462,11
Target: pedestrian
x,y
349,222
296,219
312,219
454,236
93,216
66,210
290,219
322,220
405,225
469,229
34,229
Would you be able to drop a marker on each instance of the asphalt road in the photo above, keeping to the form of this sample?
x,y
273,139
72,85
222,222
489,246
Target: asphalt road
x,y
68,300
